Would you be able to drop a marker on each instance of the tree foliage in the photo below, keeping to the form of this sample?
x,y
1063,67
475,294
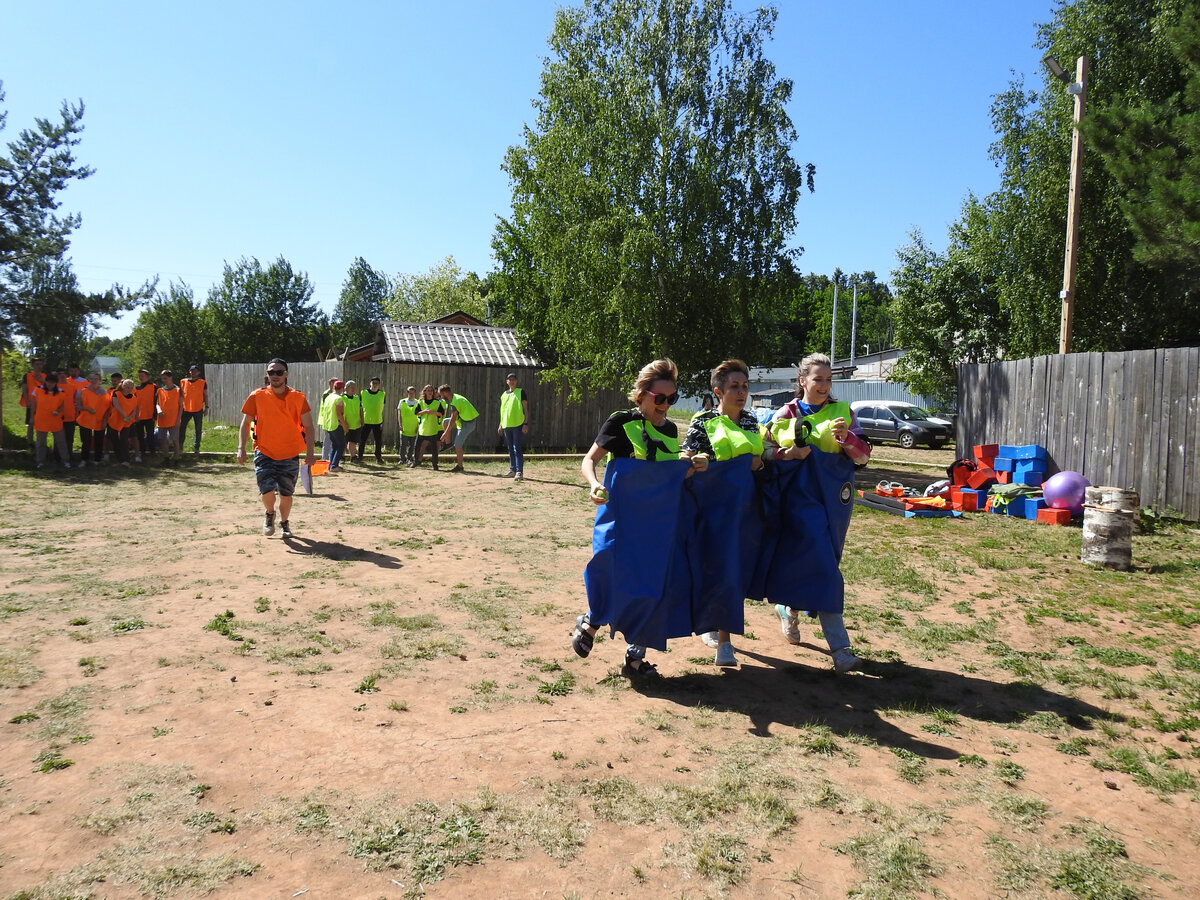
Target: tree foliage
x,y
258,313
39,296
1151,147
442,290
361,306
174,332
994,292
655,195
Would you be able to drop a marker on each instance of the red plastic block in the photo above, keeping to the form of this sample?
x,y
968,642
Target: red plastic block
x,y
1051,516
1004,477
986,452
982,478
968,501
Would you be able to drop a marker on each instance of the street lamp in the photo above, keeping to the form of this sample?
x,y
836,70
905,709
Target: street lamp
x,y
1078,89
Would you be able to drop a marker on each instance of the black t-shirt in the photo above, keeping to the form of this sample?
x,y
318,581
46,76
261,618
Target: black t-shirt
x,y
612,436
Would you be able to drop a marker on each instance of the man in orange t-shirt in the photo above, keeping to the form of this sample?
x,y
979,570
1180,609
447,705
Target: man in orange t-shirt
x,y
195,405
282,428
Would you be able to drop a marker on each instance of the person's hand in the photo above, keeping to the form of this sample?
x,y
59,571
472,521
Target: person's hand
x,y
700,462
801,452
599,494
756,463
241,456
840,428
499,429
309,459
524,429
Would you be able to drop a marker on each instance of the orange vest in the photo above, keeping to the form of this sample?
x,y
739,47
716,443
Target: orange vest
x,y
71,387
278,432
48,414
193,394
124,411
168,407
33,381
93,407
146,397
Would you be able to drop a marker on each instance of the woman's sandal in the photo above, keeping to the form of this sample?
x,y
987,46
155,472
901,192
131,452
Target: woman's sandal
x,y
643,670
581,639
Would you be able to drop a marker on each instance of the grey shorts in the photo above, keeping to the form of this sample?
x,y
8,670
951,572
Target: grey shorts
x,y
464,432
276,475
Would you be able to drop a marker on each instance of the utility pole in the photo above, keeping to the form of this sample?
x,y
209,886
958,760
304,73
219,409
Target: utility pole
x,y
854,323
1078,89
833,327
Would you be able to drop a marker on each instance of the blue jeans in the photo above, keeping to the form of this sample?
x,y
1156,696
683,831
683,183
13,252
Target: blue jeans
x,y
198,418
336,440
514,440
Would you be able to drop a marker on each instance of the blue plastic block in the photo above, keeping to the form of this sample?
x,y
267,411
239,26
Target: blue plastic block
x,y
1028,451
1003,464
1016,508
1033,477
1032,505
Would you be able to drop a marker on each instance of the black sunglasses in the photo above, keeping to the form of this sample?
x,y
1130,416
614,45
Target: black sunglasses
x,y
279,372
669,399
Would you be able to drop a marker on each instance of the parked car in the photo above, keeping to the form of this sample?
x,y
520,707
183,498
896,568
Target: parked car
x,y
905,423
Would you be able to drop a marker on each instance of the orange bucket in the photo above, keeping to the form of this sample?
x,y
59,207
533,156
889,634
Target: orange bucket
x,y
320,467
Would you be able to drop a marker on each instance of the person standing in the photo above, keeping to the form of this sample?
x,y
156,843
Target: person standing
x,y
514,425
430,411
30,382
46,409
70,384
147,394
91,405
122,417
372,400
169,403
409,422
283,428
333,424
462,414
352,410
195,405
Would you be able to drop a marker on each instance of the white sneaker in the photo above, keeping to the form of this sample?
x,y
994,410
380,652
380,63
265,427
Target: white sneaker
x,y
789,624
725,655
518,477
844,661
710,639
268,524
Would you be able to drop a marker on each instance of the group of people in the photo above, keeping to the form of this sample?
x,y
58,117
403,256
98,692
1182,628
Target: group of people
x,y
126,420
280,421
429,422
800,466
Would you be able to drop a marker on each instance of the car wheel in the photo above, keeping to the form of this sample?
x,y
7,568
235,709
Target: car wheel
x,y
907,441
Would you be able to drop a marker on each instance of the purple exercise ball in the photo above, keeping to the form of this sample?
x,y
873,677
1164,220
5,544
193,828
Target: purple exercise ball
x,y
1065,491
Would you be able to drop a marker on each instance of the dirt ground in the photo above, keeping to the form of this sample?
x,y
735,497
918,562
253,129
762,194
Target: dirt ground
x,y
387,705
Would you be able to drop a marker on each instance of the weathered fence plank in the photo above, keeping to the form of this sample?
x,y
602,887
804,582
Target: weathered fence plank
x,y
1130,420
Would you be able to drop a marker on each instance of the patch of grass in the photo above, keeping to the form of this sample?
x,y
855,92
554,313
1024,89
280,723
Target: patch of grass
x,y
1113,656
1010,772
91,666
51,760
721,857
1022,811
894,865
128,625
16,668
425,841
368,684
913,768
560,687
1150,771
222,624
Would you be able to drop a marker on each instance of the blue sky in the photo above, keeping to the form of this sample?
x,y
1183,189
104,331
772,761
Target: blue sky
x,y
322,132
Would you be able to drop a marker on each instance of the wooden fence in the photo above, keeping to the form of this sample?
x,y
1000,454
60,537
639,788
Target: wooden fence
x,y
554,423
1130,420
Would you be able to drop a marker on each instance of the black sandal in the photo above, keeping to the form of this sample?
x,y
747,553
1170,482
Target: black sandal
x,y
581,640
643,670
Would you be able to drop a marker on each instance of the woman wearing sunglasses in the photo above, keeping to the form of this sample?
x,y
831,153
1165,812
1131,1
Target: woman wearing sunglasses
x,y
643,432
723,433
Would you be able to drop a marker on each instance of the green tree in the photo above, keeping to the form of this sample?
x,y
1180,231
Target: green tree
x,y
1006,249
259,313
39,296
1151,147
361,305
653,200
173,332
442,290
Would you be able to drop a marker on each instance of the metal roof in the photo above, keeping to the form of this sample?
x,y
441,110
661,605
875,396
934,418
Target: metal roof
x,y
452,345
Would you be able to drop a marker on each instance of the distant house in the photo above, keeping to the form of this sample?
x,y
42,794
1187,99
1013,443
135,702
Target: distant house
x,y
445,344
105,365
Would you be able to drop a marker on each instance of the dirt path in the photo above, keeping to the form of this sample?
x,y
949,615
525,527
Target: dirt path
x,y
388,705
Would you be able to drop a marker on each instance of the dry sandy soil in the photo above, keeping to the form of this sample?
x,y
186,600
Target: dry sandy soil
x,y
387,705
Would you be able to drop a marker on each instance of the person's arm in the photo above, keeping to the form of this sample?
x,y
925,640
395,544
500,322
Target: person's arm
x,y
450,420
306,424
340,409
204,391
32,404
243,434
524,414
596,489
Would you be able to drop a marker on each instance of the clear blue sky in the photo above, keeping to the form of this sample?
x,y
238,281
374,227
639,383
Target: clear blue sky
x,y
322,132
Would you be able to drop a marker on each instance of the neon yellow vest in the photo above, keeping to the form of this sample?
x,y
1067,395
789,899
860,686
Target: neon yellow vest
x,y
728,440
820,423
429,425
372,406
511,412
648,442
328,419
408,418
352,410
